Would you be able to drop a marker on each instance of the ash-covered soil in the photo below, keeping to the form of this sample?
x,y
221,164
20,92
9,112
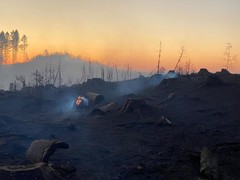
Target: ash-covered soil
x,y
132,144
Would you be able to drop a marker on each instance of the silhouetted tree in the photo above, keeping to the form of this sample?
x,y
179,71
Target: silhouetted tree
x,y
109,73
103,73
23,46
116,70
126,72
228,57
2,40
179,70
7,47
46,53
58,76
90,69
180,57
14,45
84,73
22,80
159,57
188,67
37,78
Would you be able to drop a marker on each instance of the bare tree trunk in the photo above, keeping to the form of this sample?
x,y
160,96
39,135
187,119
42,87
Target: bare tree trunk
x,y
180,57
159,56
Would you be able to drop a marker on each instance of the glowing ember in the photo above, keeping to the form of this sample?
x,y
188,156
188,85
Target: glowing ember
x,y
79,100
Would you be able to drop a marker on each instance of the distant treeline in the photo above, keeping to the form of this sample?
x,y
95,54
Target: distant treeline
x,y
60,69
10,44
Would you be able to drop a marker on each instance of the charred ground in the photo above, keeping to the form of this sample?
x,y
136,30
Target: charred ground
x,y
121,144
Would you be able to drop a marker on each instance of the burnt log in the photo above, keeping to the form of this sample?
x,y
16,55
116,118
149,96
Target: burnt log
x,y
38,171
104,109
41,150
95,97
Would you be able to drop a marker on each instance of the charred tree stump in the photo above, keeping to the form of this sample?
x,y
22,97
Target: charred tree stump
x,y
137,105
134,104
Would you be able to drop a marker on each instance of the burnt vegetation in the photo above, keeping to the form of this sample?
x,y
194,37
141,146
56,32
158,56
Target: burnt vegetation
x,y
160,127
114,123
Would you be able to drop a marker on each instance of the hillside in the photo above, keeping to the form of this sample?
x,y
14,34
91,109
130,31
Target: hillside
x,y
74,70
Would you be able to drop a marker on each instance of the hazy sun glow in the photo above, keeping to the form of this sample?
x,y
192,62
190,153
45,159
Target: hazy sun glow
x,y
128,31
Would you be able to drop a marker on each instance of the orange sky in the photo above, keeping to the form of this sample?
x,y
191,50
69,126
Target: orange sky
x,y
129,31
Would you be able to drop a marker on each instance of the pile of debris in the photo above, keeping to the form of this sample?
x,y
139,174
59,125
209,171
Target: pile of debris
x,y
136,107
38,154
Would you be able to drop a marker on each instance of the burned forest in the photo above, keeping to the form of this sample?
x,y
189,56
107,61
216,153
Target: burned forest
x,y
173,127
119,90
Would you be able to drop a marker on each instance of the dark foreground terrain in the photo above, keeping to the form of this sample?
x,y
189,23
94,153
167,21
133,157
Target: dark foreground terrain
x,y
130,143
